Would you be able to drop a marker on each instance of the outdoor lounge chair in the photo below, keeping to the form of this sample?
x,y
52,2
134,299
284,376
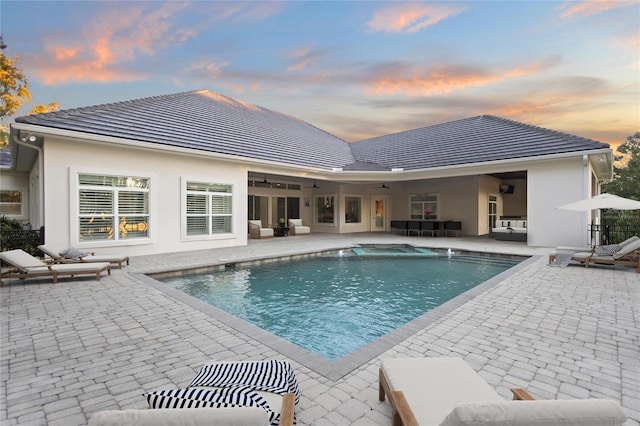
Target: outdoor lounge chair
x,y
27,266
565,252
297,228
628,255
257,231
222,393
447,391
54,253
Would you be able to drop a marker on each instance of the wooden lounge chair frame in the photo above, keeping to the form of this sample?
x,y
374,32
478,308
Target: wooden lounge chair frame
x,y
42,269
629,255
91,257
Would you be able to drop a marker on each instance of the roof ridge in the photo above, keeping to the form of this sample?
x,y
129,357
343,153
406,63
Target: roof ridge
x,y
108,105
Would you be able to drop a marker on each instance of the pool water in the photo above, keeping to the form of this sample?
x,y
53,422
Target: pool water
x,y
332,305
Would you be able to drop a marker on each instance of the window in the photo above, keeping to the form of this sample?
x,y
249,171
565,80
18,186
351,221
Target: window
x,y
424,206
324,209
353,209
112,208
209,208
10,203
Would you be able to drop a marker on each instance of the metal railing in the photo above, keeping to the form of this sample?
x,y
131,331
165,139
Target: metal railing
x,y
25,239
603,234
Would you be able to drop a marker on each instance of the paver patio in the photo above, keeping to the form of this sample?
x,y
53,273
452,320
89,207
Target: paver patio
x,y
80,346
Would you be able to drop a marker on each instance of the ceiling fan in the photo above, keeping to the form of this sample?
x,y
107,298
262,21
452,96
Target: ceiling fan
x,y
314,185
384,186
265,181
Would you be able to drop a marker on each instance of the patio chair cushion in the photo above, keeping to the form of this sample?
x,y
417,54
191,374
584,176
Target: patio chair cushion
x,y
246,416
72,253
586,412
608,250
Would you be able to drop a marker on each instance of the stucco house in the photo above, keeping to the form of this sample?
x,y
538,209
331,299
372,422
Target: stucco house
x,y
186,171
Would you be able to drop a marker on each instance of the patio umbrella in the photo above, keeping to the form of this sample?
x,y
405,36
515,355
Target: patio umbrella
x,y
602,201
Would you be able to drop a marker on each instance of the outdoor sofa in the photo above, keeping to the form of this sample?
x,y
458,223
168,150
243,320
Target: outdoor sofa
x,y
225,393
58,256
447,391
27,266
510,230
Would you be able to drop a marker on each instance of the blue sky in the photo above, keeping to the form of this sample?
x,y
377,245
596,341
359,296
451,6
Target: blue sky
x,y
356,69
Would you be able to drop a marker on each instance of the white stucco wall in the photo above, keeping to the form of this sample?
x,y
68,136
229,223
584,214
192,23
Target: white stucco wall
x,y
552,184
165,171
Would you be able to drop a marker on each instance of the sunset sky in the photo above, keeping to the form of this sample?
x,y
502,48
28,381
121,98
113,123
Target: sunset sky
x,y
356,69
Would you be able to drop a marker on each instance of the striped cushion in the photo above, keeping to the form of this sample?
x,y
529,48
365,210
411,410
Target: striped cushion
x,y
608,250
210,398
270,376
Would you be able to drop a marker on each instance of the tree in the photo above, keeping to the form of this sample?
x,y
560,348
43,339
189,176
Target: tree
x,y
15,93
626,177
14,86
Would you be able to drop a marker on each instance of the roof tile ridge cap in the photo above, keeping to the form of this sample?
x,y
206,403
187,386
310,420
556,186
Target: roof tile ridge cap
x,y
281,114
546,130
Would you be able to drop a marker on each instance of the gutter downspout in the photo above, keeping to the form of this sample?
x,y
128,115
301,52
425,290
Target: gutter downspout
x,y
20,142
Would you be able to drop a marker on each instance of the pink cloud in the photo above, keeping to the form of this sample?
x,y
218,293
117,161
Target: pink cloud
x,y
411,17
590,7
399,79
107,43
302,58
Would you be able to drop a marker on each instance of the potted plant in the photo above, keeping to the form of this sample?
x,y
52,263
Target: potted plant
x,y
427,213
281,222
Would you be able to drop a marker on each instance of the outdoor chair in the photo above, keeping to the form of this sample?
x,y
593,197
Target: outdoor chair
x,y
447,391
222,393
452,227
88,257
256,230
27,266
413,227
624,255
297,228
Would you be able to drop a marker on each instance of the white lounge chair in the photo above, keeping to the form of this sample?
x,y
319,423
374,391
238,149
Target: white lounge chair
x,y
257,231
447,391
269,393
297,228
27,266
89,257
627,255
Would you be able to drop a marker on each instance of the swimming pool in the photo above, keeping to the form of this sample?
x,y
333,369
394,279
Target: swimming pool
x,y
334,304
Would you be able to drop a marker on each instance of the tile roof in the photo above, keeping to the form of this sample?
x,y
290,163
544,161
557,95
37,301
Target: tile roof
x,y
207,121
471,140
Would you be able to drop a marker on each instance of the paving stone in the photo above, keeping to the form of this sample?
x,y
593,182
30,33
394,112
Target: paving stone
x,y
558,332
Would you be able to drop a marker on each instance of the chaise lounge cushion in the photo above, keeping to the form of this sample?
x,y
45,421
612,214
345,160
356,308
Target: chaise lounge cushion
x,y
245,416
451,381
587,412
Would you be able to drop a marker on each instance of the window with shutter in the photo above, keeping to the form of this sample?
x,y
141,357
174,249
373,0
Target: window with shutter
x,y
209,208
112,208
